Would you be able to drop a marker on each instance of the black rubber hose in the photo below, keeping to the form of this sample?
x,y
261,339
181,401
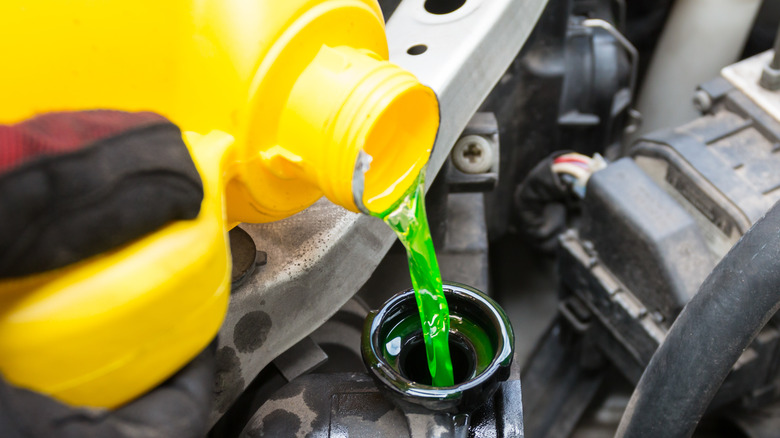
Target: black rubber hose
x,y
737,299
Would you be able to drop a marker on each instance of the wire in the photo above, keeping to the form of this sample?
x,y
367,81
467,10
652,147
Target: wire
x,y
579,163
573,157
577,168
571,169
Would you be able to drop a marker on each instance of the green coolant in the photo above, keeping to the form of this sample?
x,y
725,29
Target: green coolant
x,y
410,223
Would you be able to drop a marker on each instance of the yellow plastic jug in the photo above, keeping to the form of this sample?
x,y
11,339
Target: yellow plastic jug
x,y
280,102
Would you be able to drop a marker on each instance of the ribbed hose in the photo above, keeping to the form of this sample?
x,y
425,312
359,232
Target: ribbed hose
x,y
737,299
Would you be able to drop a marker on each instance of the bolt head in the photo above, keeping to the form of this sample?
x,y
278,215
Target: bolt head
x,y
770,78
702,101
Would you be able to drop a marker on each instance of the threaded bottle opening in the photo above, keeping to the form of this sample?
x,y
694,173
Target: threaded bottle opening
x,y
357,127
399,144
382,133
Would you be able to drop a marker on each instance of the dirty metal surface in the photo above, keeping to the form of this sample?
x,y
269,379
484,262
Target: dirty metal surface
x,y
350,404
318,259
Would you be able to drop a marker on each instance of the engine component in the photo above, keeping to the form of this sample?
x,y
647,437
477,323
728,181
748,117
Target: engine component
x,y
636,268
598,88
350,404
481,345
571,88
735,302
653,226
546,199
395,399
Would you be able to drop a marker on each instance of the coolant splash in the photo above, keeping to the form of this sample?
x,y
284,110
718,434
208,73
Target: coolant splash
x,y
410,223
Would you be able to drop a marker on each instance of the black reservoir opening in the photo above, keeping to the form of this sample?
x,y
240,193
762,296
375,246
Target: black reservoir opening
x,y
413,362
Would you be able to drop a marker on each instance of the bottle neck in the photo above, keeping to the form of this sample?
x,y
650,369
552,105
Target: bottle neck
x,y
357,127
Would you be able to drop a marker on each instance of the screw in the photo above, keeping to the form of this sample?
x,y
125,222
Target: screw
x,y
473,154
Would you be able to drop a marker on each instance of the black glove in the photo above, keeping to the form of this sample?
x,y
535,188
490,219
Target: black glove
x,y
73,185
179,408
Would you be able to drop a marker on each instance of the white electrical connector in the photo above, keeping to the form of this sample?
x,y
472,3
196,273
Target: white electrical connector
x,y
577,169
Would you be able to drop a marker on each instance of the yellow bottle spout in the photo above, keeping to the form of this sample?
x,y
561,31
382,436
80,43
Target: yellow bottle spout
x,y
360,128
354,127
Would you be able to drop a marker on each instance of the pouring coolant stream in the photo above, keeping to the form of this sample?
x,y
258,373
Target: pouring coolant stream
x,y
409,221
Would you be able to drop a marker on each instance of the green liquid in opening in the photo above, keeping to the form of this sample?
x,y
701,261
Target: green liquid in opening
x,y
410,223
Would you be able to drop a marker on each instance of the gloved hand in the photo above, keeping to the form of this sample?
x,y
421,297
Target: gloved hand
x,y
73,185
179,408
